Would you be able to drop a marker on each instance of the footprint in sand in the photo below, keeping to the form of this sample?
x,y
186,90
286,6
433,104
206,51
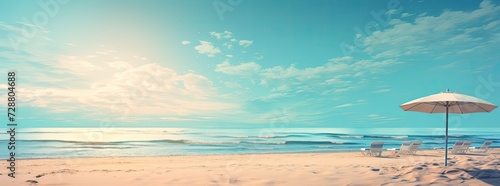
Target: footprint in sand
x,y
32,181
418,168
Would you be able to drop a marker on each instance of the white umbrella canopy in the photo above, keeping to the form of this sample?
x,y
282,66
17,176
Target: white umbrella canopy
x,y
456,103
448,102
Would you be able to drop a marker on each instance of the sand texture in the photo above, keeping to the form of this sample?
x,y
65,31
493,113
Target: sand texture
x,y
346,168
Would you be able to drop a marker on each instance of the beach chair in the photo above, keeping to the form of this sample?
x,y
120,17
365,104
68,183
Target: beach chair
x,y
414,147
461,147
374,150
405,146
457,147
465,146
483,149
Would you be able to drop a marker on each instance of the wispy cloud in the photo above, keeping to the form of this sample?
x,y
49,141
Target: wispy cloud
x,y
451,31
405,14
243,69
245,43
344,105
207,48
186,42
147,89
376,117
382,90
226,35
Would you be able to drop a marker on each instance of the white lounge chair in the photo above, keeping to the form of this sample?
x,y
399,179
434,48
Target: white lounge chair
x,y
414,147
460,147
374,150
483,149
457,147
405,146
466,146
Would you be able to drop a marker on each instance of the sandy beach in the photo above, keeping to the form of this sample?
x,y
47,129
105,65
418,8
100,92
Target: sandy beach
x,y
346,168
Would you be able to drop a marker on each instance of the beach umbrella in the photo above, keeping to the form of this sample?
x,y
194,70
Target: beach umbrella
x,y
448,102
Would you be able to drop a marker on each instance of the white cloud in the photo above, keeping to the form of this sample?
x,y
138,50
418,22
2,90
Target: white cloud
x,y
492,25
113,84
228,45
344,105
245,43
226,35
337,66
376,117
342,89
186,42
392,11
382,90
207,48
149,89
281,88
406,14
244,69
337,77
427,34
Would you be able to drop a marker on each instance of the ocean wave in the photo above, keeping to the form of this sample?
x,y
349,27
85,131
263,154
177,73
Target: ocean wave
x,y
320,142
273,136
260,148
266,142
346,136
183,141
93,147
323,147
210,142
72,141
245,136
338,142
239,136
387,136
328,134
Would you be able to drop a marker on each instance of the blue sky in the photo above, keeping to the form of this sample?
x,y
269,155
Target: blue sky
x,y
232,64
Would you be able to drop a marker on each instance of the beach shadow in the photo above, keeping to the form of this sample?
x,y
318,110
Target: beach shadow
x,y
468,154
477,154
391,157
489,176
378,156
426,155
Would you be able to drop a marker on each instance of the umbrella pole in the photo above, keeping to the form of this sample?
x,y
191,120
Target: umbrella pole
x,y
446,138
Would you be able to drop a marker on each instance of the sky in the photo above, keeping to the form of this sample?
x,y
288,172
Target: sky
x,y
247,64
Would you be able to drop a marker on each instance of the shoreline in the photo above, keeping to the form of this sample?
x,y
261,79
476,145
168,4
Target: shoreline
x,y
264,153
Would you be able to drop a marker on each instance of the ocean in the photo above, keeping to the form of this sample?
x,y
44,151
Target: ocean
x,y
105,142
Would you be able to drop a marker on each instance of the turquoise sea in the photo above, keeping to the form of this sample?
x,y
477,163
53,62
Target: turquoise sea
x,y
101,142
